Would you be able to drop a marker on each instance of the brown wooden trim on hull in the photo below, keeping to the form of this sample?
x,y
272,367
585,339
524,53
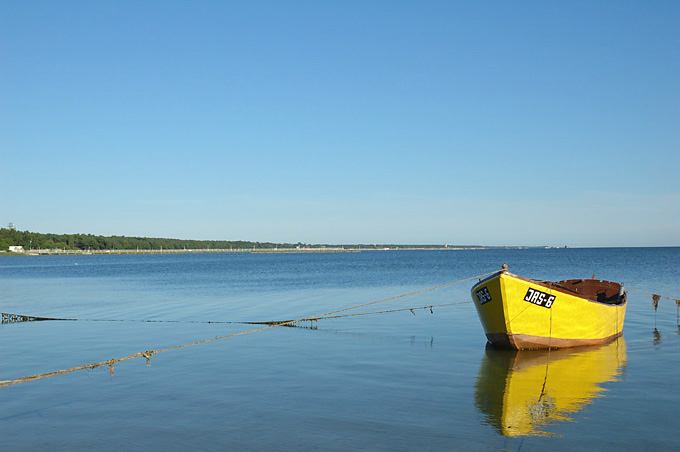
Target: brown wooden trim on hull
x,y
527,342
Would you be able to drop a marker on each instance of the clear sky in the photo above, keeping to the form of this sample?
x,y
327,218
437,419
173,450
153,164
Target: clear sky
x,y
414,122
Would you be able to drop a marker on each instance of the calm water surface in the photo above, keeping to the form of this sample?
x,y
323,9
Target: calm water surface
x,y
395,381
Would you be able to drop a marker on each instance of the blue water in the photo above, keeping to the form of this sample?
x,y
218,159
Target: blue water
x,y
394,381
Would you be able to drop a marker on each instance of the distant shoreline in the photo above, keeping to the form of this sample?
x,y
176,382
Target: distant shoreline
x,y
16,242
51,252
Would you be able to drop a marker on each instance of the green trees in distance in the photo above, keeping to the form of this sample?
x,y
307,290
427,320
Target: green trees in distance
x,y
38,241
35,240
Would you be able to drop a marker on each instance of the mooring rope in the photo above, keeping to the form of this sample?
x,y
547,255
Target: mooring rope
x,y
656,298
430,307
651,293
403,295
149,353
19,318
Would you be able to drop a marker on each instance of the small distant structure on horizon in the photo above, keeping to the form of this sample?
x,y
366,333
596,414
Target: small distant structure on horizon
x,y
11,226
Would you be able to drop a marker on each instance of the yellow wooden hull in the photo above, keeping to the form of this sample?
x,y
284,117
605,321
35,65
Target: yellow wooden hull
x,y
521,313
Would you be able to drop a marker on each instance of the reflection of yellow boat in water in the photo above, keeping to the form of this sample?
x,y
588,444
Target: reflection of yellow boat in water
x,y
521,392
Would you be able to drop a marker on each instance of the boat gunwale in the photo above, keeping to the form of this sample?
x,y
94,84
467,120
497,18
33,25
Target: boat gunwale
x,y
552,286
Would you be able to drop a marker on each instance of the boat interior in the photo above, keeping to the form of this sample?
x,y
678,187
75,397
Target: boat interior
x,y
592,289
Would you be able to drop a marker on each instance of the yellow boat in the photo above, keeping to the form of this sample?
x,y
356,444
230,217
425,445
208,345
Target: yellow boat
x,y
524,392
521,313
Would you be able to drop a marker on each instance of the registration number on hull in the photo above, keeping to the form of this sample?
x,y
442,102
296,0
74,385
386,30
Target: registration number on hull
x,y
483,295
539,298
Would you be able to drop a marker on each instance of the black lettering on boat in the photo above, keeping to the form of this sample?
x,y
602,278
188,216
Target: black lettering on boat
x,y
483,295
539,298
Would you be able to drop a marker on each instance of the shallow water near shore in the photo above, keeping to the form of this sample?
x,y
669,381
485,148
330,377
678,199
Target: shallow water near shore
x,y
421,380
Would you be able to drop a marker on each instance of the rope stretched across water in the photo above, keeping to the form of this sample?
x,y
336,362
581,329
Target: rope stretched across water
x,y
149,353
656,298
18,318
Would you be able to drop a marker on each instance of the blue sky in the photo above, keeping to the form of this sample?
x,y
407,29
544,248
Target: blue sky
x,y
489,123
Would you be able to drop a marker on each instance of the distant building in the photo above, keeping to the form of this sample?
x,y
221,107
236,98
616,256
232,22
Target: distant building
x,y
16,249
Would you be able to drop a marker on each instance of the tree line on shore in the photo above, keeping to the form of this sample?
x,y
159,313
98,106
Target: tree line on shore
x,y
35,240
84,242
